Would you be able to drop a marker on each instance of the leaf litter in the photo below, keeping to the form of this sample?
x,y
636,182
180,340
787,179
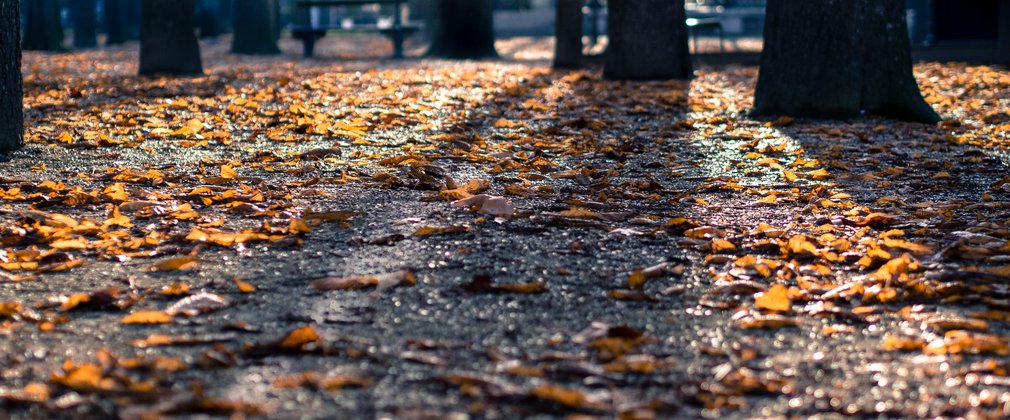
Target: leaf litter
x,y
885,242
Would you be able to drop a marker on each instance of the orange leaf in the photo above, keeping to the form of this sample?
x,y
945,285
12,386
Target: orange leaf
x,y
147,317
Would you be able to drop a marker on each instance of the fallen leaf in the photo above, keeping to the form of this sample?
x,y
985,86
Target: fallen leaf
x,y
147,317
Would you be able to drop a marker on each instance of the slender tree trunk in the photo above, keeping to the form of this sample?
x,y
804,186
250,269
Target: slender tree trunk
x,y
11,114
648,40
838,59
168,42
85,24
278,22
207,19
568,34
132,11
226,16
115,22
43,29
254,28
463,29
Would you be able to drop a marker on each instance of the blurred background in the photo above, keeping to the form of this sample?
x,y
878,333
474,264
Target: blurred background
x,y
939,29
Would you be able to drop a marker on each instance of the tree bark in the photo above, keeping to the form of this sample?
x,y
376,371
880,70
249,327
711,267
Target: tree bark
x,y
11,114
226,9
254,28
85,24
568,34
648,40
122,21
168,42
1004,33
115,22
838,59
463,29
43,29
208,18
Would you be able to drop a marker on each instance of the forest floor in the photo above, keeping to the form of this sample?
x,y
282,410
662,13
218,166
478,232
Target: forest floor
x,y
426,239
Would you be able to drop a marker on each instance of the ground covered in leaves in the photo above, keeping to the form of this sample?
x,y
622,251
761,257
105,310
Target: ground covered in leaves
x,y
420,238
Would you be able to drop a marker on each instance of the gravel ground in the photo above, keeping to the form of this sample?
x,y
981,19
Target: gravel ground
x,y
626,169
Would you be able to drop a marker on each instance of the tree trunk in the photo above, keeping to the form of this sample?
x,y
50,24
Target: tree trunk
x,y
11,115
168,42
226,9
1004,32
278,22
115,22
43,29
133,13
568,34
85,24
648,40
254,28
838,59
122,21
462,29
207,18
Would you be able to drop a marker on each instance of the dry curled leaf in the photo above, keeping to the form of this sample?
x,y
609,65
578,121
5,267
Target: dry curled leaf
x,y
379,281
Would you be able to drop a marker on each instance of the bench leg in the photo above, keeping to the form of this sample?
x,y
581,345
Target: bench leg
x,y
397,38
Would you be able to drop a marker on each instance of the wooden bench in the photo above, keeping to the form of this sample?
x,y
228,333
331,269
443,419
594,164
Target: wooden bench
x,y
310,32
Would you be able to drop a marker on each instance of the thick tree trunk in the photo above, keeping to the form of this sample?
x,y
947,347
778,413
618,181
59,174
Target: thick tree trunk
x,y
168,42
462,29
85,24
838,59
648,40
11,115
568,34
254,28
43,29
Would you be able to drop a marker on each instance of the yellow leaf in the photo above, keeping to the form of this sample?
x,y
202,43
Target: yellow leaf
x,y
296,226
227,172
820,174
789,175
774,299
147,317
115,192
177,263
243,286
570,398
298,338
720,246
68,244
636,279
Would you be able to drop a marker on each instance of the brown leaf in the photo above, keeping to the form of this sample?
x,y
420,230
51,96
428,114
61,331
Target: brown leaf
x,y
483,284
379,281
174,264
